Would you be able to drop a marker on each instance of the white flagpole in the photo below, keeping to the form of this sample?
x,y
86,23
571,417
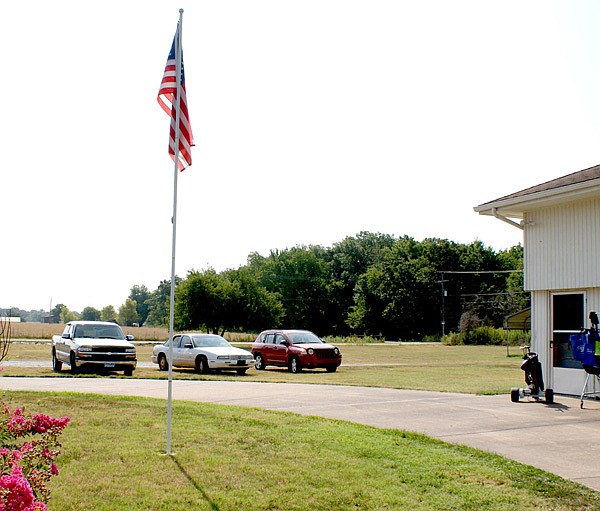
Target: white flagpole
x,y
174,221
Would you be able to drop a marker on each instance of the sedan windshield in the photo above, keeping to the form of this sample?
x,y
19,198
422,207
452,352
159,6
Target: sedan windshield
x,y
209,341
304,338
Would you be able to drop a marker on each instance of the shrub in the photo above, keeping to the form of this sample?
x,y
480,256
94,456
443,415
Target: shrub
x,y
29,447
468,322
352,339
483,335
452,339
487,335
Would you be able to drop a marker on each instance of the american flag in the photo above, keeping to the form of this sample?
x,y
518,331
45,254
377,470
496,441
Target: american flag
x,y
167,99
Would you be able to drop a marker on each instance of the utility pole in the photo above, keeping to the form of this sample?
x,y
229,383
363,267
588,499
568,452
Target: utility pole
x,y
444,294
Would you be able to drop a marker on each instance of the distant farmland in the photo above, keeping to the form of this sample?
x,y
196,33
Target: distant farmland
x,y
46,331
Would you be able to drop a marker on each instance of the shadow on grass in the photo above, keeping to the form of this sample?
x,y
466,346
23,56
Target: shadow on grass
x,y
213,506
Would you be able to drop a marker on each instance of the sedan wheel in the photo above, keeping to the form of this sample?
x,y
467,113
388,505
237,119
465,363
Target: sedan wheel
x,y
202,365
295,365
259,362
163,365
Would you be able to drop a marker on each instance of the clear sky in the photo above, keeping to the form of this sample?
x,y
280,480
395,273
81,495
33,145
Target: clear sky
x,y
314,120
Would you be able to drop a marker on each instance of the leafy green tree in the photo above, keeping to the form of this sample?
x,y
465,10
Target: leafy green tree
x,y
401,295
396,297
14,312
128,313
55,312
140,295
257,308
158,303
299,276
108,313
201,301
512,259
36,316
66,315
90,314
369,283
348,260
232,300
484,294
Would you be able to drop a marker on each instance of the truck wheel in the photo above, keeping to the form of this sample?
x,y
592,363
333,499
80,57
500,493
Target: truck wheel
x,y
163,365
73,363
241,372
128,371
56,364
331,368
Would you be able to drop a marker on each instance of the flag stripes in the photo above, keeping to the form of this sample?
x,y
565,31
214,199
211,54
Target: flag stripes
x,y
167,99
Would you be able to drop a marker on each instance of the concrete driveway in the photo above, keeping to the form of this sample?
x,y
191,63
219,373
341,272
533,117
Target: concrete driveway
x,y
559,438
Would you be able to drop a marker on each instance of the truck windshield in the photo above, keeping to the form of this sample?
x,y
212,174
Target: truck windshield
x,y
99,332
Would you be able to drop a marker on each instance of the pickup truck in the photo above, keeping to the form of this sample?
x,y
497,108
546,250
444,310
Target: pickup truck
x,y
93,344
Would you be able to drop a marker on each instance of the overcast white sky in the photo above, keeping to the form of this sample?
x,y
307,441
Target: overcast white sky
x,y
313,119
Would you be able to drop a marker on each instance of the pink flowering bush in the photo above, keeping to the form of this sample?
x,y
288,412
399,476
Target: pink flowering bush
x,y
29,446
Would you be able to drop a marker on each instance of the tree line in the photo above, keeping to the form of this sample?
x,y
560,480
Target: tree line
x,y
369,284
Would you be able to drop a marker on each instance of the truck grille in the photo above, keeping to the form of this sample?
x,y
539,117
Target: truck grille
x,y
111,349
107,353
110,357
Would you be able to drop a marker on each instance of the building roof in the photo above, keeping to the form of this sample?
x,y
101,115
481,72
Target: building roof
x,y
575,186
519,321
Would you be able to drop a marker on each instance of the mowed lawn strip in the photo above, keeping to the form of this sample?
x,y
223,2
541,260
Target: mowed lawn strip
x,y
229,459
466,369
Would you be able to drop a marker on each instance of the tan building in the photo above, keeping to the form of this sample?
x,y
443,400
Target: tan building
x,y
560,220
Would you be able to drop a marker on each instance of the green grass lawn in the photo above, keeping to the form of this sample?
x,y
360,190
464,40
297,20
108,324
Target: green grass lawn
x,y
467,369
231,459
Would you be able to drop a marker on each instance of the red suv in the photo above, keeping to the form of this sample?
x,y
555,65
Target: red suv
x,y
294,349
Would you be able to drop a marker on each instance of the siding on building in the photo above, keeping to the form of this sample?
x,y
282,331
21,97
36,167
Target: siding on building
x,y
541,335
561,221
562,247
540,332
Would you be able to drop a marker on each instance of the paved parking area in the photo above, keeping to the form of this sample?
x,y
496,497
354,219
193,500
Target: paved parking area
x,y
560,438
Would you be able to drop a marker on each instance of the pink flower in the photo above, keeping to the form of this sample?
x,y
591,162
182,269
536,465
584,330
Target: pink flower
x,y
42,423
20,496
26,469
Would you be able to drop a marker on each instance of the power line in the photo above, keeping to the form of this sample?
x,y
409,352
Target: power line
x,y
494,294
480,271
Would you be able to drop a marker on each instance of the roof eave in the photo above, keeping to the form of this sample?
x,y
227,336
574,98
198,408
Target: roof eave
x,y
515,207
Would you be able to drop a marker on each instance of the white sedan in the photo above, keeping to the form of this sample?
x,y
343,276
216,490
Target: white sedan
x,y
204,353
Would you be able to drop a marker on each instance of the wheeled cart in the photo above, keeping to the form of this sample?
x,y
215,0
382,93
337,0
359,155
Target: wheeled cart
x,y
584,349
593,371
533,378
